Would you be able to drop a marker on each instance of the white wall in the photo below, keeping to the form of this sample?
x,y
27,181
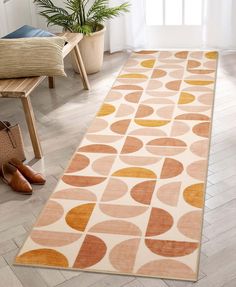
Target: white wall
x,y
16,13
3,28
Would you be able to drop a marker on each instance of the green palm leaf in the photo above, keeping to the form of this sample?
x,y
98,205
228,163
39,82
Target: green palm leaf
x,y
76,17
50,8
104,13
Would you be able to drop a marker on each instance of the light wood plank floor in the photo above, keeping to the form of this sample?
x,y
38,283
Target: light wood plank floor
x,y
63,116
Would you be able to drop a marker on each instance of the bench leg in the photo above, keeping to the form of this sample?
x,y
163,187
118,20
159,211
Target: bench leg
x,y
75,63
51,83
81,68
29,115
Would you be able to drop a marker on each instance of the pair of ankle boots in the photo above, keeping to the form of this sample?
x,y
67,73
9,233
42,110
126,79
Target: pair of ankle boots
x,y
20,176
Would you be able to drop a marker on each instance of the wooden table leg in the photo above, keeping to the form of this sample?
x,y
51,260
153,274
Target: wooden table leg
x,y
51,83
30,119
82,68
76,63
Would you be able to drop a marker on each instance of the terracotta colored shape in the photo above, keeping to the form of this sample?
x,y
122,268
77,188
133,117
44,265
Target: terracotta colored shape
x,y
142,192
171,248
91,252
160,221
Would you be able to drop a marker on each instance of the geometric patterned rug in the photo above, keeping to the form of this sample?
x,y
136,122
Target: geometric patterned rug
x,y
131,200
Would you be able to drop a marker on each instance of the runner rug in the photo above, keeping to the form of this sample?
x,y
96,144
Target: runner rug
x,y
131,200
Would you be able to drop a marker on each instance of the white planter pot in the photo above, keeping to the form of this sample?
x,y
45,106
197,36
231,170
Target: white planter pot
x,y
92,50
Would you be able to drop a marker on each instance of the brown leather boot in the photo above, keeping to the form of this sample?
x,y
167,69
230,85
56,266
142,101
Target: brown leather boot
x,y
31,175
11,176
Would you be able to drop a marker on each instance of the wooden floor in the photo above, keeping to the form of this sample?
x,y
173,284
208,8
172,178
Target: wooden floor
x,y
62,117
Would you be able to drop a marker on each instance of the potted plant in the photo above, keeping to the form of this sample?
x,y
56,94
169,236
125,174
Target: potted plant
x,y
87,17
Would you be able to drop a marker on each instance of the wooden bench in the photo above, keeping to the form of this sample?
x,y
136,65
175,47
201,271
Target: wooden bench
x,y
23,87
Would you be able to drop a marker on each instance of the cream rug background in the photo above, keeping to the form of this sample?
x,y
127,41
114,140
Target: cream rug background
x,y
131,200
